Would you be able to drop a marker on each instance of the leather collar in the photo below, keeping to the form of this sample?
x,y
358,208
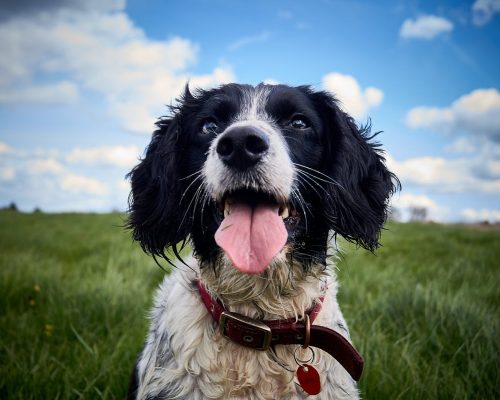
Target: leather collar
x,y
261,335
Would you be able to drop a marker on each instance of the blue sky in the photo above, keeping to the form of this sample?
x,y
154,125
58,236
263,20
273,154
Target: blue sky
x,y
81,83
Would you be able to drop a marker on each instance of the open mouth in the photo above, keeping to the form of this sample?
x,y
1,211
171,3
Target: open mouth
x,y
285,210
253,230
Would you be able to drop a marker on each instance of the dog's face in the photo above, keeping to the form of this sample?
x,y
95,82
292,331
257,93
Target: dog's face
x,y
249,173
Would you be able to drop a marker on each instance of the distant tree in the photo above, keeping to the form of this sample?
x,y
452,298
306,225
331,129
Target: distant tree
x,y
418,214
37,210
12,207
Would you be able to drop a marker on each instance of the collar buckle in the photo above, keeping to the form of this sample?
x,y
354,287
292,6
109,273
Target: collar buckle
x,y
245,331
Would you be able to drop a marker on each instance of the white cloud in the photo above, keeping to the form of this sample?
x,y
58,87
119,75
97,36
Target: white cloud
x,y
124,185
247,40
438,118
65,179
477,113
120,156
218,76
122,190
463,146
5,148
46,179
44,166
51,173
444,175
404,202
425,27
355,101
7,173
57,93
473,215
74,183
271,81
103,52
484,10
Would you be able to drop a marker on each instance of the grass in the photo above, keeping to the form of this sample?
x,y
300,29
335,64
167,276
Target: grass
x,y
75,290
424,311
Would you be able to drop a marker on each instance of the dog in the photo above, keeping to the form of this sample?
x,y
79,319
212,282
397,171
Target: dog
x,y
259,180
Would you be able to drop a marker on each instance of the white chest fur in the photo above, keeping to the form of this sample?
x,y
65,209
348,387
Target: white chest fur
x,y
185,357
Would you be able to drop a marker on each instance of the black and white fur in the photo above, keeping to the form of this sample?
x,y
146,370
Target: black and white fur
x,y
319,166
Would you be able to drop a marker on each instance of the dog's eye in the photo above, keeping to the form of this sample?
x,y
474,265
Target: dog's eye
x,y
299,123
210,126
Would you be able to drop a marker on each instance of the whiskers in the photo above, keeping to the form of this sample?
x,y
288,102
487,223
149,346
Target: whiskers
x,y
200,198
313,177
312,181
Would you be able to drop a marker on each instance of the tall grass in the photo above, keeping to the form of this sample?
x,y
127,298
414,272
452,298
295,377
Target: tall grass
x,y
425,312
74,292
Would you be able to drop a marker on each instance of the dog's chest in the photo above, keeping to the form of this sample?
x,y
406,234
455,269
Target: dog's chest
x,y
186,356
245,373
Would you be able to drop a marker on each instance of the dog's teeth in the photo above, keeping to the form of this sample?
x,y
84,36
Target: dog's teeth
x,y
227,208
284,213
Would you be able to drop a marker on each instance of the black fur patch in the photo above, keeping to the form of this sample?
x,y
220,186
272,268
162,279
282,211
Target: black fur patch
x,y
342,177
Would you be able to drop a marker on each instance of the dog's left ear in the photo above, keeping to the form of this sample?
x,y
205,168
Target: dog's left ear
x,y
356,204
155,214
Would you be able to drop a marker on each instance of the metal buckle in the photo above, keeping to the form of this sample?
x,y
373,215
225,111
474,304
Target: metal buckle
x,y
239,319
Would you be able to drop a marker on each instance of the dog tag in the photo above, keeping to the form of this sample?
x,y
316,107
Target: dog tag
x,y
309,379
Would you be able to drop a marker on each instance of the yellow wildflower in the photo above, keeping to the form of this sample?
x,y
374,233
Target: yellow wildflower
x,y
49,329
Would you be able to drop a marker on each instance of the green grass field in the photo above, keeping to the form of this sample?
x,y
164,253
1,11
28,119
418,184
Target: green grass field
x,y
75,289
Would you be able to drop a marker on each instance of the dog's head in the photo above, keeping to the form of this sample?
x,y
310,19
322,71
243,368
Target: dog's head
x,y
252,172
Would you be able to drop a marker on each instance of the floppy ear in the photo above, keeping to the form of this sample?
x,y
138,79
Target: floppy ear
x,y
357,203
154,214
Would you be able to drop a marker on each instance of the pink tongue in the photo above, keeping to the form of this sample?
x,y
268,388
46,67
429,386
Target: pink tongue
x,y
252,237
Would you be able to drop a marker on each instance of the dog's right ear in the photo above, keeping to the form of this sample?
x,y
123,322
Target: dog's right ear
x,y
356,199
154,214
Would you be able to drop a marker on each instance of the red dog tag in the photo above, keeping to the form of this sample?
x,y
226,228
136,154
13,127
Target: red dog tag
x,y
309,379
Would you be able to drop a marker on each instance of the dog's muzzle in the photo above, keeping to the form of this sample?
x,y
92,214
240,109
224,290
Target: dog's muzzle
x,y
250,175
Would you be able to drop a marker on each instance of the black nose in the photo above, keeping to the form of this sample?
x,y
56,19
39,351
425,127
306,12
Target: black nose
x,y
242,147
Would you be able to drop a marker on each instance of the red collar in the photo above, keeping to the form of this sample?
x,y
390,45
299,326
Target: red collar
x,y
261,335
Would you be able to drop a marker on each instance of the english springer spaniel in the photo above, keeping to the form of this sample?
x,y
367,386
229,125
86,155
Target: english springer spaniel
x,y
259,181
